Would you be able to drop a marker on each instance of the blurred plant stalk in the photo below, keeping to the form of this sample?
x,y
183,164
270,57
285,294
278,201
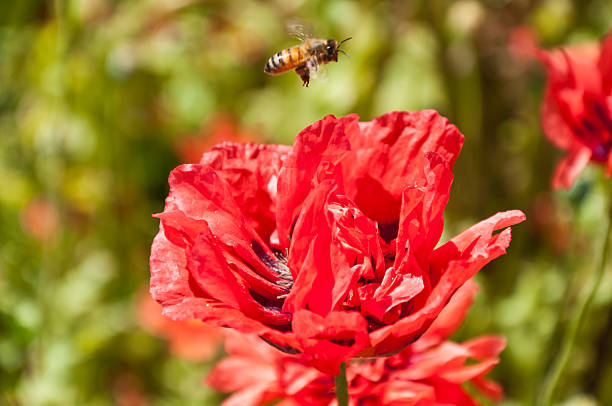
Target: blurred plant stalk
x,y
342,386
560,363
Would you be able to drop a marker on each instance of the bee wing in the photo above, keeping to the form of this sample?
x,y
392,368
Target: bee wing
x,y
317,70
299,29
313,63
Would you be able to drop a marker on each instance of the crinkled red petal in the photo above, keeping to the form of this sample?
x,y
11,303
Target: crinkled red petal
x,y
570,167
556,128
182,298
310,251
456,261
397,392
252,171
421,218
449,319
488,388
570,74
201,194
388,155
297,376
395,289
328,341
605,65
356,253
448,393
323,143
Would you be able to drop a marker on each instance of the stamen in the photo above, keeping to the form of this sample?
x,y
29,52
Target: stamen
x,y
278,265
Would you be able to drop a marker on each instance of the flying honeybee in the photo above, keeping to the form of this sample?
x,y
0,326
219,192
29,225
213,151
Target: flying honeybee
x,y
305,58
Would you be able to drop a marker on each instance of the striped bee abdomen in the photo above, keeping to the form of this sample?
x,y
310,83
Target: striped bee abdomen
x,y
285,60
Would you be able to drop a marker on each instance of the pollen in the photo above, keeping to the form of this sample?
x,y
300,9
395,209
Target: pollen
x,y
278,264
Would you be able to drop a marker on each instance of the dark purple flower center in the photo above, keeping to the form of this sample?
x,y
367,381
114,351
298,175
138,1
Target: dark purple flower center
x,y
594,128
278,265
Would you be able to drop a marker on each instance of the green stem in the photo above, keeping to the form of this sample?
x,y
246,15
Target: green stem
x,y
552,381
342,386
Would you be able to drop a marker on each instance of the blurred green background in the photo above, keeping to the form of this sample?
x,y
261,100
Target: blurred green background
x,y
100,99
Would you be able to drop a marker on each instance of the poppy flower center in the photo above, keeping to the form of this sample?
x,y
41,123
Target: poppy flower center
x,y
277,264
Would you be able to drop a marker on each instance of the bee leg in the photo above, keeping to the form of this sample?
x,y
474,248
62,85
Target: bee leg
x,y
304,73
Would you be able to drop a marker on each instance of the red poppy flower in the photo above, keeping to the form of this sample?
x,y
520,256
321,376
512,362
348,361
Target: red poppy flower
x,y
190,340
431,373
328,247
577,109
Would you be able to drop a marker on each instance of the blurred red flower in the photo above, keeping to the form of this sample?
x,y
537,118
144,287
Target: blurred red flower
x,y
523,43
218,128
190,340
325,248
577,109
40,219
430,373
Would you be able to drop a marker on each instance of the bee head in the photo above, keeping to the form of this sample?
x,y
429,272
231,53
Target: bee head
x,y
332,47
331,50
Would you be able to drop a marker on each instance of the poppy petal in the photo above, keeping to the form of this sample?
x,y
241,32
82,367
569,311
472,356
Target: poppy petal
x,y
388,155
570,167
320,144
328,341
252,171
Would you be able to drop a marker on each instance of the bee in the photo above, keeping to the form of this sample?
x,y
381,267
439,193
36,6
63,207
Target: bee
x,y
305,58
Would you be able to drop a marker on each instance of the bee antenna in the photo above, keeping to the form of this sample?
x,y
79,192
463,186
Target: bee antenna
x,y
344,40
340,50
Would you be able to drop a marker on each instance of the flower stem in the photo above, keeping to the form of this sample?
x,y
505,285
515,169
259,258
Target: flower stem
x,y
552,381
342,386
